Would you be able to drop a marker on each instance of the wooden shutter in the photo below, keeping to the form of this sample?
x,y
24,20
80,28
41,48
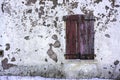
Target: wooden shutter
x,y
79,37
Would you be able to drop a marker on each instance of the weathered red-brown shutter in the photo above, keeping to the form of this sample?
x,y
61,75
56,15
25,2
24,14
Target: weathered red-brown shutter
x,y
79,37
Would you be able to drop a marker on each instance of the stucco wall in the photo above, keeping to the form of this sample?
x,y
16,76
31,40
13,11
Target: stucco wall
x,y
32,38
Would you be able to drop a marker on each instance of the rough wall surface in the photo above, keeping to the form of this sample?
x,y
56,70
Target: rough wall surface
x,y
32,38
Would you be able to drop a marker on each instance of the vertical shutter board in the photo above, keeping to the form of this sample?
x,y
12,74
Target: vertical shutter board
x,y
73,37
90,42
67,37
78,38
89,36
92,36
70,37
86,38
83,38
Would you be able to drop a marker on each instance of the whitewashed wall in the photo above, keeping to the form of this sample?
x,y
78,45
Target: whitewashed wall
x,y
32,36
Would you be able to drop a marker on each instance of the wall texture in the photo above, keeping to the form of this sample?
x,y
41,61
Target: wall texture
x,y
32,38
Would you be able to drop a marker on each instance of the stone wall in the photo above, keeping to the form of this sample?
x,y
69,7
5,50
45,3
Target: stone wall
x,y
32,38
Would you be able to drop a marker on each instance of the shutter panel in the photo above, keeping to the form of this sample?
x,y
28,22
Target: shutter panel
x,y
71,37
87,37
79,37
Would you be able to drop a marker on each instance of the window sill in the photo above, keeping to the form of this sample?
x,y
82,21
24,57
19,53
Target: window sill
x,y
75,61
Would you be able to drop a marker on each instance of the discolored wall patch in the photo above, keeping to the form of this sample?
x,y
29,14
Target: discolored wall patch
x,y
5,64
52,54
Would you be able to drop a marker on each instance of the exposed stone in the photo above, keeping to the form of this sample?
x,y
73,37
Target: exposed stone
x,y
7,46
116,62
5,64
54,37
52,54
107,35
57,44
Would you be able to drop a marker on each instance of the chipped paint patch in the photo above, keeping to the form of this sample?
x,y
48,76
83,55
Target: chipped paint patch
x,y
57,44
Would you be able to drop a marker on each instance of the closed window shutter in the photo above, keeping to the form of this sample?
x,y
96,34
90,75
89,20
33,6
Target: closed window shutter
x,y
79,37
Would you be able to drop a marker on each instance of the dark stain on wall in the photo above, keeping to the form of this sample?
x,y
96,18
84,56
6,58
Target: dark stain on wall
x,y
56,18
13,59
54,37
112,2
46,60
29,11
42,2
107,35
17,49
104,67
97,1
118,77
2,5
116,62
41,11
55,23
1,53
106,7
27,37
36,9
7,46
109,72
52,54
117,5
74,5
54,3
5,64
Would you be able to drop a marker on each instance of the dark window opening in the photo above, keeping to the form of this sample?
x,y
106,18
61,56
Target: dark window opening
x,y
79,36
